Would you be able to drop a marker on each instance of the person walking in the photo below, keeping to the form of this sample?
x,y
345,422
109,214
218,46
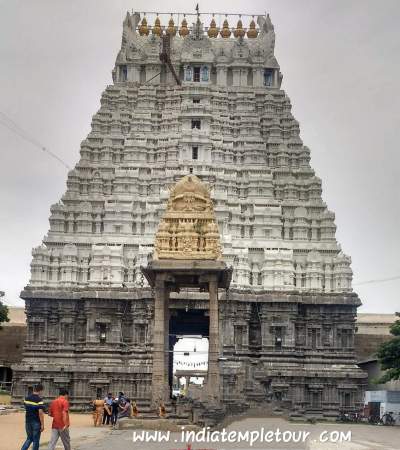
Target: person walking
x,y
114,411
34,418
98,410
59,411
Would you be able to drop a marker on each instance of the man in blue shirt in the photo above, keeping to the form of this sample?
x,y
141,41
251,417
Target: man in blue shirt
x,y
107,409
34,418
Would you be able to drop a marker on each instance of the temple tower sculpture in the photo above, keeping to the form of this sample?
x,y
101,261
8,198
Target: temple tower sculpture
x,y
192,97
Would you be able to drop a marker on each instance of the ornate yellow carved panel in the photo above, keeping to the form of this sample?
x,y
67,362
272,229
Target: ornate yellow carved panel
x,y
188,229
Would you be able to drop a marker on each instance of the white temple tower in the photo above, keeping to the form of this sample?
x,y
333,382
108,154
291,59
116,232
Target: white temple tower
x,y
215,109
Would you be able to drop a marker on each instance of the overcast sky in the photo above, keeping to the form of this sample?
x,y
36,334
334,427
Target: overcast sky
x,y
340,62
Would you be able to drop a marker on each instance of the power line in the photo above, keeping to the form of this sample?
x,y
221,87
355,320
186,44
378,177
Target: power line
x,y
378,280
15,128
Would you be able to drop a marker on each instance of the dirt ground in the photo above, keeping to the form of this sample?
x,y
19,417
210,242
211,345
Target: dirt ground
x,y
322,436
5,399
85,437
12,430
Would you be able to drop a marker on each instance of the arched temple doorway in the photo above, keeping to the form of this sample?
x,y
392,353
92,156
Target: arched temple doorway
x,y
188,351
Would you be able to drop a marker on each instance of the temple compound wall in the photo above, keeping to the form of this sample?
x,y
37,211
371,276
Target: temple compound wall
x,y
212,106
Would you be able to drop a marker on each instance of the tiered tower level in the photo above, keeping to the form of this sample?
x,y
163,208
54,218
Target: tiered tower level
x,y
217,111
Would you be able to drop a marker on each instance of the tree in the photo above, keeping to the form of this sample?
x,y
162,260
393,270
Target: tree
x,y
3,311
389,355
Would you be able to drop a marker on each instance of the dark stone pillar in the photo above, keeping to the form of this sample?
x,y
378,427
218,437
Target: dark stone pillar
x,y
160,343
213,382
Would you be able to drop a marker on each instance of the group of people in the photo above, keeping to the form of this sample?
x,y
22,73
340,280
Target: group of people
x,y
106,411
34,419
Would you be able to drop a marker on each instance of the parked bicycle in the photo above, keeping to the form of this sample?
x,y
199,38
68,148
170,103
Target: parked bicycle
x,y
388,419
353,417
374,420
343,417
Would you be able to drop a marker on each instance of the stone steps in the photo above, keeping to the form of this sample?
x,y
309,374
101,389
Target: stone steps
x,y
155,423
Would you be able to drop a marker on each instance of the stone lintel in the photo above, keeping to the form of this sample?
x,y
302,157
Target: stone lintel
x,y
184,270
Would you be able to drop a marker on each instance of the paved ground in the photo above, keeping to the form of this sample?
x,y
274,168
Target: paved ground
x,y
363,437
12,431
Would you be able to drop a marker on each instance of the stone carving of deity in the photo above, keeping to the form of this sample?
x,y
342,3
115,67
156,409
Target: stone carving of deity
x,y
204,73
188,73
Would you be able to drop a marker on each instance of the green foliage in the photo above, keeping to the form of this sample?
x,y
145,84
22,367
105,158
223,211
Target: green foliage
x,y
395,328
3,313
374,380
389,355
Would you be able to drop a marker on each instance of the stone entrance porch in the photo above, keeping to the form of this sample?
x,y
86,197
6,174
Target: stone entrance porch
x,y
167,276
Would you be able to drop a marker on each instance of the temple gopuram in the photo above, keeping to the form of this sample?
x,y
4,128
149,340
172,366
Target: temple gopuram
x,y
194,210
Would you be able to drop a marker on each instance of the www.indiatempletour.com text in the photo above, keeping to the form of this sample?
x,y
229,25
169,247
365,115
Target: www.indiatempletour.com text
x,y
249,437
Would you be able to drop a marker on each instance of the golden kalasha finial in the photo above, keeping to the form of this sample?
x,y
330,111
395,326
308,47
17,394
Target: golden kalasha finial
x,y
252,32
239,32
144,29
225,32
213,30
157,27
184,31
171,30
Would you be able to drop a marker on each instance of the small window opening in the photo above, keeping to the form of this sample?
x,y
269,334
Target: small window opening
x,y
195,153
196,100
278,337
314,339
103,333
268,74
196,74
124,73
196,123
316,400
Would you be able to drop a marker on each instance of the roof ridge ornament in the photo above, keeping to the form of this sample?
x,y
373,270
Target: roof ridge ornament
x,y
184,30
252,33
157,27
144,29
239,32
171,30
213,30
225,32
